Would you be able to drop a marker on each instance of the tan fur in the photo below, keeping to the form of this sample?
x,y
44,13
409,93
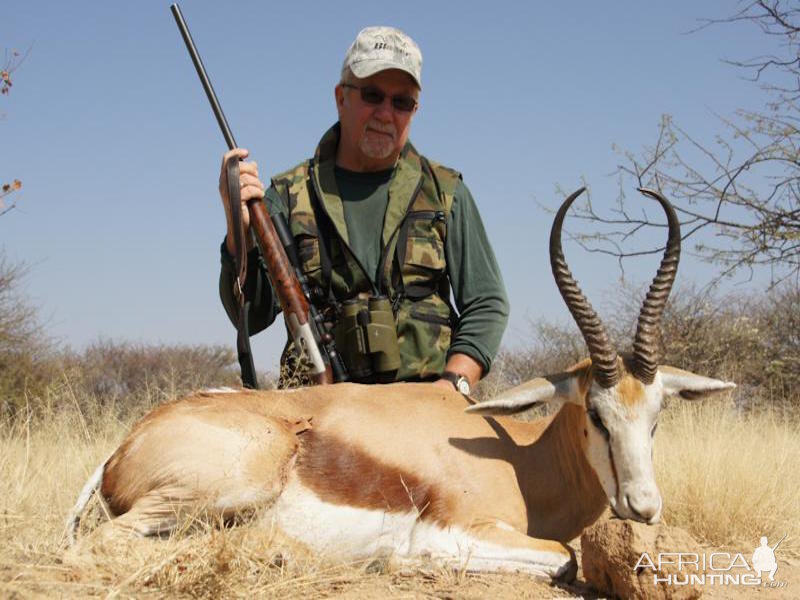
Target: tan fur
x,y
585,374
396,448
631,390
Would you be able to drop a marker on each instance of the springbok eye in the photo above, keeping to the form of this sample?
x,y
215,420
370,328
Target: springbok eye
x,y
598,422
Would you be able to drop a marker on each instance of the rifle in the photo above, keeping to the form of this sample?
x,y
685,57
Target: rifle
x,y
775,547
304,322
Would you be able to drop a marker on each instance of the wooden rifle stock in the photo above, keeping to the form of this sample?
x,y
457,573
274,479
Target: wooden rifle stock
x,y
294,304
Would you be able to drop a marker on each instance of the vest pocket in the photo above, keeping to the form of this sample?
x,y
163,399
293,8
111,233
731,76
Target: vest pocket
x,y
306,238
423,337
423,251
308,253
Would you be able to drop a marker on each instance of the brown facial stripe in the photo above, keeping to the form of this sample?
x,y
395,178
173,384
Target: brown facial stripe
x,y
342,474
613,467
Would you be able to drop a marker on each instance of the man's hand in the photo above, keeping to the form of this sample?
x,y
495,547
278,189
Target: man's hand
x,y
250,187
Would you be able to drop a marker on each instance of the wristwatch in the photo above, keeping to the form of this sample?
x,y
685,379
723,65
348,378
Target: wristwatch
x,y
460,382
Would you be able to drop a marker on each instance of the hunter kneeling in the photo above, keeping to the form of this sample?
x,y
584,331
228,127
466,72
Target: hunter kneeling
x,y
383,236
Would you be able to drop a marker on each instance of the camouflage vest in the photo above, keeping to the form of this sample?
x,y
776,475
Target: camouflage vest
x,y
412,267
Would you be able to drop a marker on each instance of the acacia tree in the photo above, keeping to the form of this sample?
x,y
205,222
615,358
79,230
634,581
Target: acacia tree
x,y
22,339
743,188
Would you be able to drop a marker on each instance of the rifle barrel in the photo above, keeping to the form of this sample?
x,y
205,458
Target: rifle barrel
x,y
304,323
775,547
201,72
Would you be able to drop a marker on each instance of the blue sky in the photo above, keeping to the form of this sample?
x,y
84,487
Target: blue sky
x,y
109,130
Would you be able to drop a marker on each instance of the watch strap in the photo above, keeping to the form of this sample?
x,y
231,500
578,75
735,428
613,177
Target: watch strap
x,y
454,378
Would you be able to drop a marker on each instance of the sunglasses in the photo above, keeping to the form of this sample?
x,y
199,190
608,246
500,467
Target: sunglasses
x,y
374,96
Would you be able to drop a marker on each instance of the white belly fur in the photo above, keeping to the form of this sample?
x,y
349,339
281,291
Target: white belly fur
x,y
348,533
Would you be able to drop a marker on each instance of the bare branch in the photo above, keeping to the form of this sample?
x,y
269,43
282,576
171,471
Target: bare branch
x,y
738,195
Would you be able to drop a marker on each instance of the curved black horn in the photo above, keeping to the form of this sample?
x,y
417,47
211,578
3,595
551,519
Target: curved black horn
x,y
646,342
604,357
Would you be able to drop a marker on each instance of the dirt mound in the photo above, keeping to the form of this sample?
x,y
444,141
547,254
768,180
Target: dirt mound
x,y
611,550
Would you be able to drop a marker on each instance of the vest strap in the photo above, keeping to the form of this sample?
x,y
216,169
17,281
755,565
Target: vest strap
x,y
323,224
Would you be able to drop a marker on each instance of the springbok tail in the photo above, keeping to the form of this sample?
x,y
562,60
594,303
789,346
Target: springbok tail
x,y
74,518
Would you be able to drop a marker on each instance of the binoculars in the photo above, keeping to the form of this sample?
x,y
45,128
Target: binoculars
x,y
366,338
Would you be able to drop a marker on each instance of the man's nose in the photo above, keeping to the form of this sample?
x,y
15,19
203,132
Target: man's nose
x,y
384,111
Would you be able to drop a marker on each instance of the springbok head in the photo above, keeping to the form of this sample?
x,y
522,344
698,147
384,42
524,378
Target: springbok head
x,y
621,396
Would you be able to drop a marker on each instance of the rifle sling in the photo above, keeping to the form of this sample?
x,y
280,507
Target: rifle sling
x,y
246,366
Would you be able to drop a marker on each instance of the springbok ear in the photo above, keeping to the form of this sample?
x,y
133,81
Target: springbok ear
x,y
524,396
690,386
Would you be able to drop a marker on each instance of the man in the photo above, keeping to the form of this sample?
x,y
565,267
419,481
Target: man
x,y
372,217
764,558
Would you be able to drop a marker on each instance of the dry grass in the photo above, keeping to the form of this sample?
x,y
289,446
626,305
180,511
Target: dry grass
x,y
728,476
724,476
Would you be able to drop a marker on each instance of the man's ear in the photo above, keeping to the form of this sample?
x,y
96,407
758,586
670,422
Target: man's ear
x,y
338,94
527,395
690,386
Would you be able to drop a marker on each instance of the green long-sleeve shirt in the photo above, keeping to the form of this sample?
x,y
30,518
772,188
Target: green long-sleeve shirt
x,y
478,292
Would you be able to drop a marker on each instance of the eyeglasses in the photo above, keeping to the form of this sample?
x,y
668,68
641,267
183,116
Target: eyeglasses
x,y
374,96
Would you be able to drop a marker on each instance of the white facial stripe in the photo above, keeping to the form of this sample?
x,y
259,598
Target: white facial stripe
x,y
634,493
597,453
346,532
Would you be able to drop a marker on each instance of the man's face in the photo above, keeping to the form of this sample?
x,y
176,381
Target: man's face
x,y
373,134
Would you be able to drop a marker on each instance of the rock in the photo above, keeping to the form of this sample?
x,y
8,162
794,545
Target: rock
x,y
611,549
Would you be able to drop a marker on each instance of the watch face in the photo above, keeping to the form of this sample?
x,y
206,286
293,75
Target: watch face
x,y
463,386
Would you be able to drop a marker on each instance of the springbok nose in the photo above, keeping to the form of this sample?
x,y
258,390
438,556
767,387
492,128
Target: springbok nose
x,y
646,508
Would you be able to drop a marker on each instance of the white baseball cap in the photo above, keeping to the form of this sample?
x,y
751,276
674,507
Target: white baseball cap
x,y
380,48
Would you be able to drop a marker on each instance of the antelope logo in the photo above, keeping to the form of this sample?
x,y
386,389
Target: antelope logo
x,y
353,470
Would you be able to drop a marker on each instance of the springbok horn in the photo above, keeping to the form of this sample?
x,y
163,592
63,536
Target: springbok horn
x,y
646,342
604,357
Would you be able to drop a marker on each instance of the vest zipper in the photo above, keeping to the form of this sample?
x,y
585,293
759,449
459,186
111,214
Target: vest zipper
x,y
429,318
318,192
438,215
384,285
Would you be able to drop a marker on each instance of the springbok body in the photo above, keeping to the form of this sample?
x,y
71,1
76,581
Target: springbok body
x,y
354,470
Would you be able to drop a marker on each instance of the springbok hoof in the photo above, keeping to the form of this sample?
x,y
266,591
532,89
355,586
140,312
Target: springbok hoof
x,y
569,571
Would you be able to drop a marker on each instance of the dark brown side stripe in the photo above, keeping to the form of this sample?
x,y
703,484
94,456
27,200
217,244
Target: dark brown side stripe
x,y
340,473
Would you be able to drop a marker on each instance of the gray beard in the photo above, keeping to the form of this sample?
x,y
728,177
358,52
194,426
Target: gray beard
x,y
378,147
378,150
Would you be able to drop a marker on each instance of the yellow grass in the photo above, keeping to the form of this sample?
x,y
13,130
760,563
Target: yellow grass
x,y
726,478
730,478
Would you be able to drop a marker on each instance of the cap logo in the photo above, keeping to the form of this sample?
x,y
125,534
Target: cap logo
x,y
381,48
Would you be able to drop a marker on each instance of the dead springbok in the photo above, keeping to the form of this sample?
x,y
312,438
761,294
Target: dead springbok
x,y
356,470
